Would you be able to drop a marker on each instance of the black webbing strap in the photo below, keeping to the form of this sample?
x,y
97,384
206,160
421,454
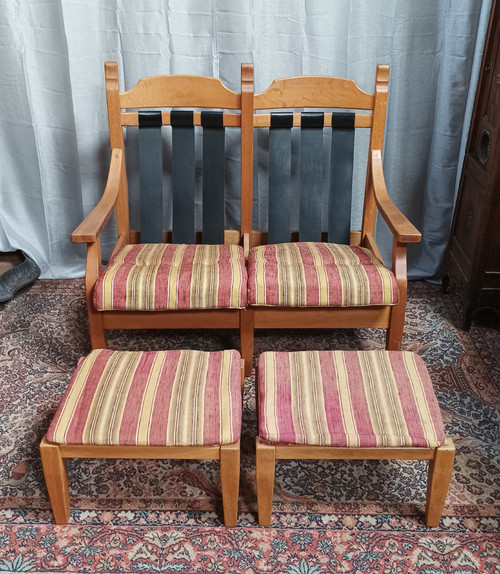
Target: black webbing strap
x,y
150,176
213,176
340,200
280,177
183,176
311,175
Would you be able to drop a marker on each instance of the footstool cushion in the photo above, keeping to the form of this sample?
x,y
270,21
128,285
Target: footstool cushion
x,y
164,398
348,399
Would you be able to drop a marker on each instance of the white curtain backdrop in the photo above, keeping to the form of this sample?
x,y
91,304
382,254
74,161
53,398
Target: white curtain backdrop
x,y
54,146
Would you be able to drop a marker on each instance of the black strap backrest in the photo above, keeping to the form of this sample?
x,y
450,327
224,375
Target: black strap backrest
x,y
341,169
311,176
280,176
213,177
183,176
150,177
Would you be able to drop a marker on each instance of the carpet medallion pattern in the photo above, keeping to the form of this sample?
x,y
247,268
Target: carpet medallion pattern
x,y
166,516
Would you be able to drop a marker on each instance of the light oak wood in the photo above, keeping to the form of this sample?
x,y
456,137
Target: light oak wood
x,y
54,469
179,90
247,108
264,468
320,317
313,92
117,142
56,480
440,469
376,143
230,481
401,228
247,337
212,318
91,227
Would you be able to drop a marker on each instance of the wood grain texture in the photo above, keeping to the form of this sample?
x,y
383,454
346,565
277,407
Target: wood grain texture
x,y
54,469
313,92
92,226
440,471
56,480
179,90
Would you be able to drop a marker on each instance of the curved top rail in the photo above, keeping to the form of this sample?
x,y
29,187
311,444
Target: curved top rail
x,y
179,91
314,92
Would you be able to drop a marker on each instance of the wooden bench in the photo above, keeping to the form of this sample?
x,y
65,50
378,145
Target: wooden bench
x,y
158,405
350,405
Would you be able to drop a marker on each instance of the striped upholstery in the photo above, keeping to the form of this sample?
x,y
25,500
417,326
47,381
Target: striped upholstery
x,y
159,277
166,398
348,399
318,275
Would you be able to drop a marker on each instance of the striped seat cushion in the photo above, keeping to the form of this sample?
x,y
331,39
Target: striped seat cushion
x,y
160,277
318,275
348,399
166,398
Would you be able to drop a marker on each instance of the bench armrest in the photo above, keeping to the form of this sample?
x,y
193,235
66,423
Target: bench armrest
x,y
402,229
89,230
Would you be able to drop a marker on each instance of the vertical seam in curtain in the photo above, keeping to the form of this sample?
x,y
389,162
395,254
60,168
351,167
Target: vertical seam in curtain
x,y
29,96
215,41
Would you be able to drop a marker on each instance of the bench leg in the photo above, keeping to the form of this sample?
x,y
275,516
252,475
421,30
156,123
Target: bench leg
x,y
246,338
230,481
265,463
394,335
96,330
440,469
56,480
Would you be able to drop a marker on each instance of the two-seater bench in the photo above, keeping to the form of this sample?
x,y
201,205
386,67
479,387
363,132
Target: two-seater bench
x,y
188,254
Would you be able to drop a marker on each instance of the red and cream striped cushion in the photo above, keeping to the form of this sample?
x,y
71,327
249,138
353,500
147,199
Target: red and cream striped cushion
x,y
165,398
348,399
318,275
160,277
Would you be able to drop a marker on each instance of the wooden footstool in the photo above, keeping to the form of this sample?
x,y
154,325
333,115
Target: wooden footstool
x,y
350,405
167,404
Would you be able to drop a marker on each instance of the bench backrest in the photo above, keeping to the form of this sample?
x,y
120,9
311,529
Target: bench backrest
x,y
326,111
168,110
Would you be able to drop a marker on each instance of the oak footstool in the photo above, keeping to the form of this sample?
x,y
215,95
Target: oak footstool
x,y
350,405
158,405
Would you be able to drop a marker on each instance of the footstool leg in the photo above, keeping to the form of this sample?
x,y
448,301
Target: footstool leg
x,y
230,481
438,481
56,480
265,462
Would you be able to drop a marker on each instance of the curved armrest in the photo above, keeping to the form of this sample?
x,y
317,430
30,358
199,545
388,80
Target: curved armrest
x,y
402,229
91,227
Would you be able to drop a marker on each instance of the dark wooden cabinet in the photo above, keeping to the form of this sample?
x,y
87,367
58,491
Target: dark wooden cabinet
x,y
472,263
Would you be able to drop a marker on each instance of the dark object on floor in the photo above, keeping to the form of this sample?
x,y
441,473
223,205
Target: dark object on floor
x,y
18,277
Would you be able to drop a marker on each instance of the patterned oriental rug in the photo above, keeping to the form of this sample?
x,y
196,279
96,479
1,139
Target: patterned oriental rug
x,y
328,516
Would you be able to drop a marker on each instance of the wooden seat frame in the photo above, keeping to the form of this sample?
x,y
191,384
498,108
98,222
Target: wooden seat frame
x,y
56,479
152,92
328,92
439,474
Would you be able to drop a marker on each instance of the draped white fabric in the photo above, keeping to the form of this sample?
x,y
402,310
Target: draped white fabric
x,y
53,125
